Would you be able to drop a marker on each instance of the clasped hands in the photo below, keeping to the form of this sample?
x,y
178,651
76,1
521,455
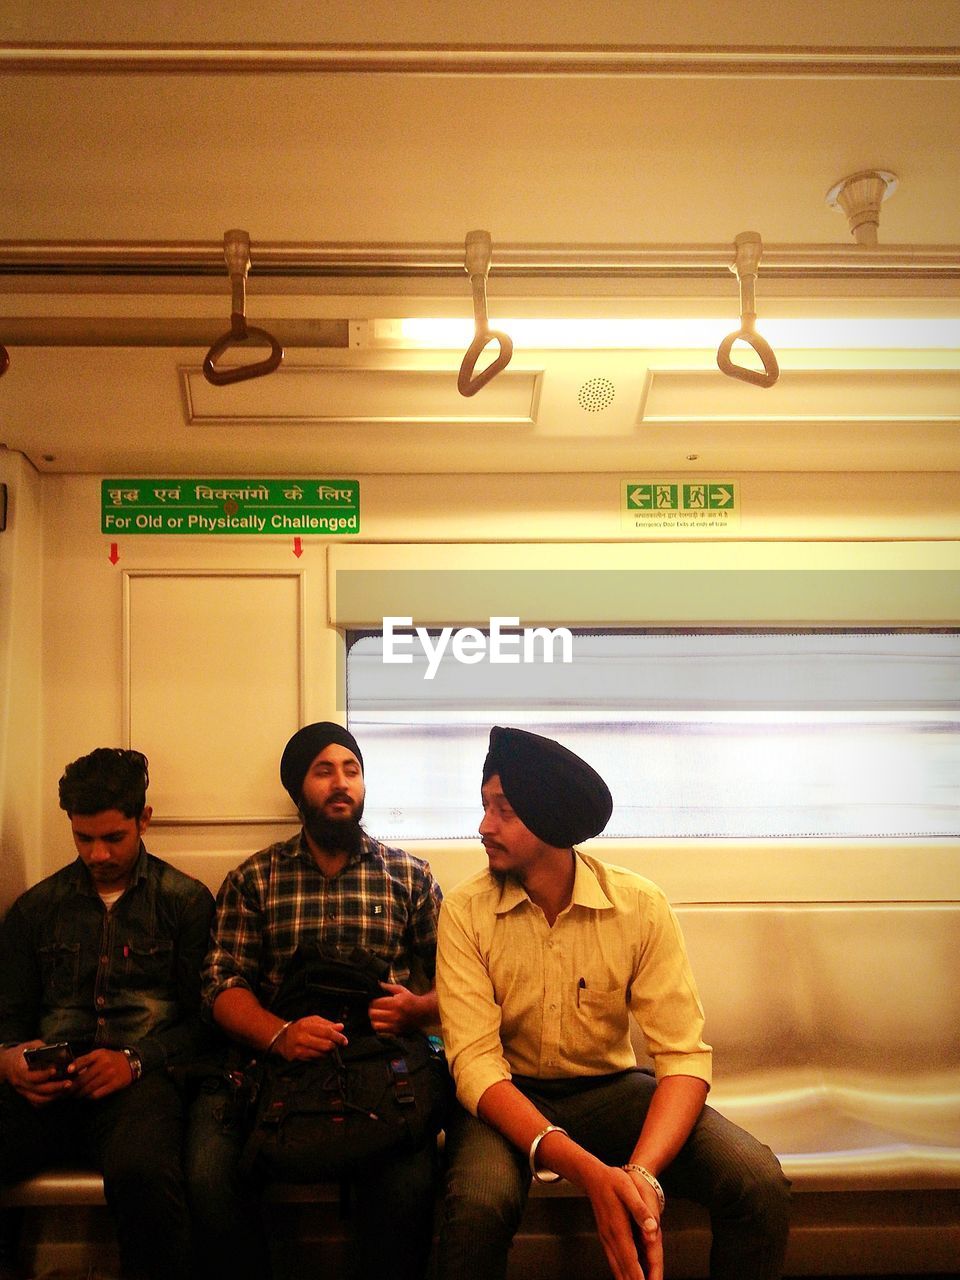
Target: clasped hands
x,y
626,1211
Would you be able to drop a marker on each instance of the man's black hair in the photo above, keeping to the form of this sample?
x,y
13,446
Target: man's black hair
x,y
107,778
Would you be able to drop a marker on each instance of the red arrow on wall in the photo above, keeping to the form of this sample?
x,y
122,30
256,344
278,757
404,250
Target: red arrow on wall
x,y
114,553
298,547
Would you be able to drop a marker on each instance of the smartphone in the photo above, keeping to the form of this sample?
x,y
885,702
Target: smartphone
x,y
50,1055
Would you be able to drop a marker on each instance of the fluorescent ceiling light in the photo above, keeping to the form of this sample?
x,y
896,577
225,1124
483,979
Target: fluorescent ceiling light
x,y
894,333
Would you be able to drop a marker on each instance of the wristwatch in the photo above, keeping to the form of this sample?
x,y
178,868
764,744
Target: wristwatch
x,y
134,1062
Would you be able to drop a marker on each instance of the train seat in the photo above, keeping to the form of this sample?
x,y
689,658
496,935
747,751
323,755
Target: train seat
x,y
835,1031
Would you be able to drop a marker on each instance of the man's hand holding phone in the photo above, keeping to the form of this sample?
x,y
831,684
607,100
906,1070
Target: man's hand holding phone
x,y
39,1072
59,1056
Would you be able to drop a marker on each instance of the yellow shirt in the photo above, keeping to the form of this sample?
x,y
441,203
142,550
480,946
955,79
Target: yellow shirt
x,y
517,996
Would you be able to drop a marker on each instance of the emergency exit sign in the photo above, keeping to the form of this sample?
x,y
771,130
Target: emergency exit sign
x,y
649,504
286,507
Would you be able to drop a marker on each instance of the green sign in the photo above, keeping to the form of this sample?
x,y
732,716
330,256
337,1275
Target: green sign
x,y
652,497
287,507
695,506
699,496
708,497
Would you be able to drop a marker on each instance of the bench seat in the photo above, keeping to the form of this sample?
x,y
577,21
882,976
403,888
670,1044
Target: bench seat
x,y
836,1034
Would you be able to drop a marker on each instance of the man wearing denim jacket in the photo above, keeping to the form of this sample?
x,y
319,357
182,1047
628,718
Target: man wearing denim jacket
x,y
105,955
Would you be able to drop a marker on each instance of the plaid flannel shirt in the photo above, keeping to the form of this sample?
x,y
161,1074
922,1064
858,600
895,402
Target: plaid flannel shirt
x,y
384,900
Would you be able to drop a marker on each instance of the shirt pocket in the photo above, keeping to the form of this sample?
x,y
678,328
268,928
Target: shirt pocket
x,y
600,1013
147,965
382,928
60,971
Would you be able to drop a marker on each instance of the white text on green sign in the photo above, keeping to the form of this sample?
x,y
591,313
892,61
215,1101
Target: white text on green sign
x,y
285,507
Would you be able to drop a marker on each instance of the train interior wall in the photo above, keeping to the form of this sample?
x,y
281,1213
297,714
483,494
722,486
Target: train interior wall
x,y
205,651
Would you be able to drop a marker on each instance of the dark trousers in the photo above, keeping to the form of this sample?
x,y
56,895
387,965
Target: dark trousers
x,y
135,1138
391,1204
720,1166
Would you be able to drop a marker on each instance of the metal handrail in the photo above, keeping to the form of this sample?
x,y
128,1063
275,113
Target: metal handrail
x,y
299,260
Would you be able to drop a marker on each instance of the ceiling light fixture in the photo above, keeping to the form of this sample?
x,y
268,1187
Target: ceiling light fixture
x,y
898,333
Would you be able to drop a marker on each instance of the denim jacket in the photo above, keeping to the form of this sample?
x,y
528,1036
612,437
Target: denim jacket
x,y
127,978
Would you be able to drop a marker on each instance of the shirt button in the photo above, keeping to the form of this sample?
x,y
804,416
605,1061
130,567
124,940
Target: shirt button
x,y
103,959
101,1022
100,1002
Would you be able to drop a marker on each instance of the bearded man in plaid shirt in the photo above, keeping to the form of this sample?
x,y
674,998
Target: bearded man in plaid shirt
x,y
330,884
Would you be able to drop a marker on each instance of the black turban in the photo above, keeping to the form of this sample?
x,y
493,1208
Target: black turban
x,y
304,747
553,792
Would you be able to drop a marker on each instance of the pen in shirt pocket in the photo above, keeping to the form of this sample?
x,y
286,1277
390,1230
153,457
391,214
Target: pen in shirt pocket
x,y
581,987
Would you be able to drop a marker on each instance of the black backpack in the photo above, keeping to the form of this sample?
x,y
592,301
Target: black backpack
x,y
327,1117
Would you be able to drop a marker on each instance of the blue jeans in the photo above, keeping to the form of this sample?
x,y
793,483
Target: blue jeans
x,y
391,1204
134,1137
720,1166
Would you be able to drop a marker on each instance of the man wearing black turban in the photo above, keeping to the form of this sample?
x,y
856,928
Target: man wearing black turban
x,y
541,960
332,885
332,818
553,792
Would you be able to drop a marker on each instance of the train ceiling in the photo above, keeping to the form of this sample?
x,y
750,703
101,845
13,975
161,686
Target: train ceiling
x,y
358,145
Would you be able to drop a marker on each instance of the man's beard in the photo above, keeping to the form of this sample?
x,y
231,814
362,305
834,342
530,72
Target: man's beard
x,y
338,835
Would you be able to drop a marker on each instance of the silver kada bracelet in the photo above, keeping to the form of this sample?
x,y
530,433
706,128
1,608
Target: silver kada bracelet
x,y
544,1175
269,1048
648,1177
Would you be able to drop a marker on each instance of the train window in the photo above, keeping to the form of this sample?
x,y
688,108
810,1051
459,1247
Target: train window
x,y
737,734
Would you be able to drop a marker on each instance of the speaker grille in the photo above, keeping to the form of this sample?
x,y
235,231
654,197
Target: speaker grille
x,y
596,394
